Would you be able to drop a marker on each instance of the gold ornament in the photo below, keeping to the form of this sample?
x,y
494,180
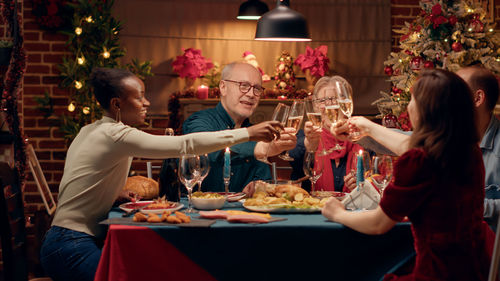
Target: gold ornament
x,y
86,110
106,54
78,30
89,19
81,60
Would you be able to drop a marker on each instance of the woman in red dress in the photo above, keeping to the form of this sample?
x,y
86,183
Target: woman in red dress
x,y
438,184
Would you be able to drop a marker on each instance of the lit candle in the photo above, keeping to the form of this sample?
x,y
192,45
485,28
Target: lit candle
x,y
227,164
360,173
202,92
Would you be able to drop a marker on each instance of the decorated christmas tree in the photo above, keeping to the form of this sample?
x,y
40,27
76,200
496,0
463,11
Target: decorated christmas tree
x,y
93,42
284,76
446,35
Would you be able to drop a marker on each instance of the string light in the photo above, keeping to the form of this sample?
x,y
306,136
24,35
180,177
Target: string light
x,y
470,10
470,29
445,39
71,106
490,30
86,110
400,60
89,19
78,30
81,60
78,85
106,54
497,59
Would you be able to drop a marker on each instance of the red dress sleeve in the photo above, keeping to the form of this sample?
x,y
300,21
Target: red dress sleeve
x,y
412,185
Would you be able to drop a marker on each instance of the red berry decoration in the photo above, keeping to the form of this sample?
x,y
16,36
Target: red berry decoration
x,y
416,63
453,20
396,90
428,64
457,47
388,70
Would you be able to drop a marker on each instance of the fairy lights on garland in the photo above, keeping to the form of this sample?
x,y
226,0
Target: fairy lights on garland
x,y
11,84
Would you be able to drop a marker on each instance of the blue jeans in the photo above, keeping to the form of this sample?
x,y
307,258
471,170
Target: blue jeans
x,y
70,255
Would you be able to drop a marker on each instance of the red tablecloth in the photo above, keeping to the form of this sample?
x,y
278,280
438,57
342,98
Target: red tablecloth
x,y
155,259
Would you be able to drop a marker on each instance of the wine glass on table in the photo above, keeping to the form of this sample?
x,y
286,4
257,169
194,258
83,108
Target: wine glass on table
x,y
294,121
202,169
280,114
382,171
313,167
189,175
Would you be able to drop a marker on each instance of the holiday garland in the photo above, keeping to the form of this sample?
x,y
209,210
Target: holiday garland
x,y
11,84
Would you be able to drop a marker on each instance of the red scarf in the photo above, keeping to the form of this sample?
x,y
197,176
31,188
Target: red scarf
x,y
325,182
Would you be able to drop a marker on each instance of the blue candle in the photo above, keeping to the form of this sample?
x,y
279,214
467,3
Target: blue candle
x,y
360,173
227,163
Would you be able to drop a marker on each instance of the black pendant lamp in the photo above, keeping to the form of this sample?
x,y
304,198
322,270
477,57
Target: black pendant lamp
x,y
252,10
282,24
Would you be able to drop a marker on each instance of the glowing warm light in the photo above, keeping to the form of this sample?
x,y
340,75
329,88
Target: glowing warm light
x,y
78,30
400,60
470,29
106,54
446,40
71,107
361,152
470,10
490,30
78,85
86,110
498,59
80,60
89,19
227,149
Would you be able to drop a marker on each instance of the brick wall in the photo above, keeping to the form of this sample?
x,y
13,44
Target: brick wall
x,y
45,50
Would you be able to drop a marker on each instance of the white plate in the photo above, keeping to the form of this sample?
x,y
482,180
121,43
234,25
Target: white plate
x,y
129,206
280,208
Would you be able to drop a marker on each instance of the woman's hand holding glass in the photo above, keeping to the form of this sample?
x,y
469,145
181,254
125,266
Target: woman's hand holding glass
x,y
359,127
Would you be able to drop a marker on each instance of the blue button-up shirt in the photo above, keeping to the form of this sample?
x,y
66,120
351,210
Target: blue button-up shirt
x,y
244,167
490,146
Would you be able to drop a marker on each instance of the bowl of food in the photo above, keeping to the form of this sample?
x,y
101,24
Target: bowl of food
x,y
207,200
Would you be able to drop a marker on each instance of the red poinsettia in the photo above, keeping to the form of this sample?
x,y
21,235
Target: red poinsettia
x,y
192,64
315,60
436,16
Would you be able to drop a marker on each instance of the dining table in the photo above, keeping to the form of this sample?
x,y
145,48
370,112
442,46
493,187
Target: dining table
x,y
299,246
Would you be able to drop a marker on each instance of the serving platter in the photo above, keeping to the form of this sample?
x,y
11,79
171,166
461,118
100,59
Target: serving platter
x,y
282,209
130,206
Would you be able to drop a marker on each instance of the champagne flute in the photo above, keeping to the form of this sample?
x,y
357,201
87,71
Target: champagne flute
x,y
313,167
344,96
280,114
202,169
332,112
382,171
313,112
294,121
188,175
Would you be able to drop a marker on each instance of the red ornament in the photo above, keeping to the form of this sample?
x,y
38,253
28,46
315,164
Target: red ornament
x,y
456,46
396,90
416,63
428,64
408,52
452,20
388,70
390,121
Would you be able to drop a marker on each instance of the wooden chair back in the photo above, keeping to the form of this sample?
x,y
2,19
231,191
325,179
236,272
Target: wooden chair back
x,y
12,225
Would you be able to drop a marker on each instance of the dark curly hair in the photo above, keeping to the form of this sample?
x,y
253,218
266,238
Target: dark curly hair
x,y
107,83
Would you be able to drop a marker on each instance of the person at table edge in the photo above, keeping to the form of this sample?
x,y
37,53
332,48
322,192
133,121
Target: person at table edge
x,y
485,90
98,161
240,92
